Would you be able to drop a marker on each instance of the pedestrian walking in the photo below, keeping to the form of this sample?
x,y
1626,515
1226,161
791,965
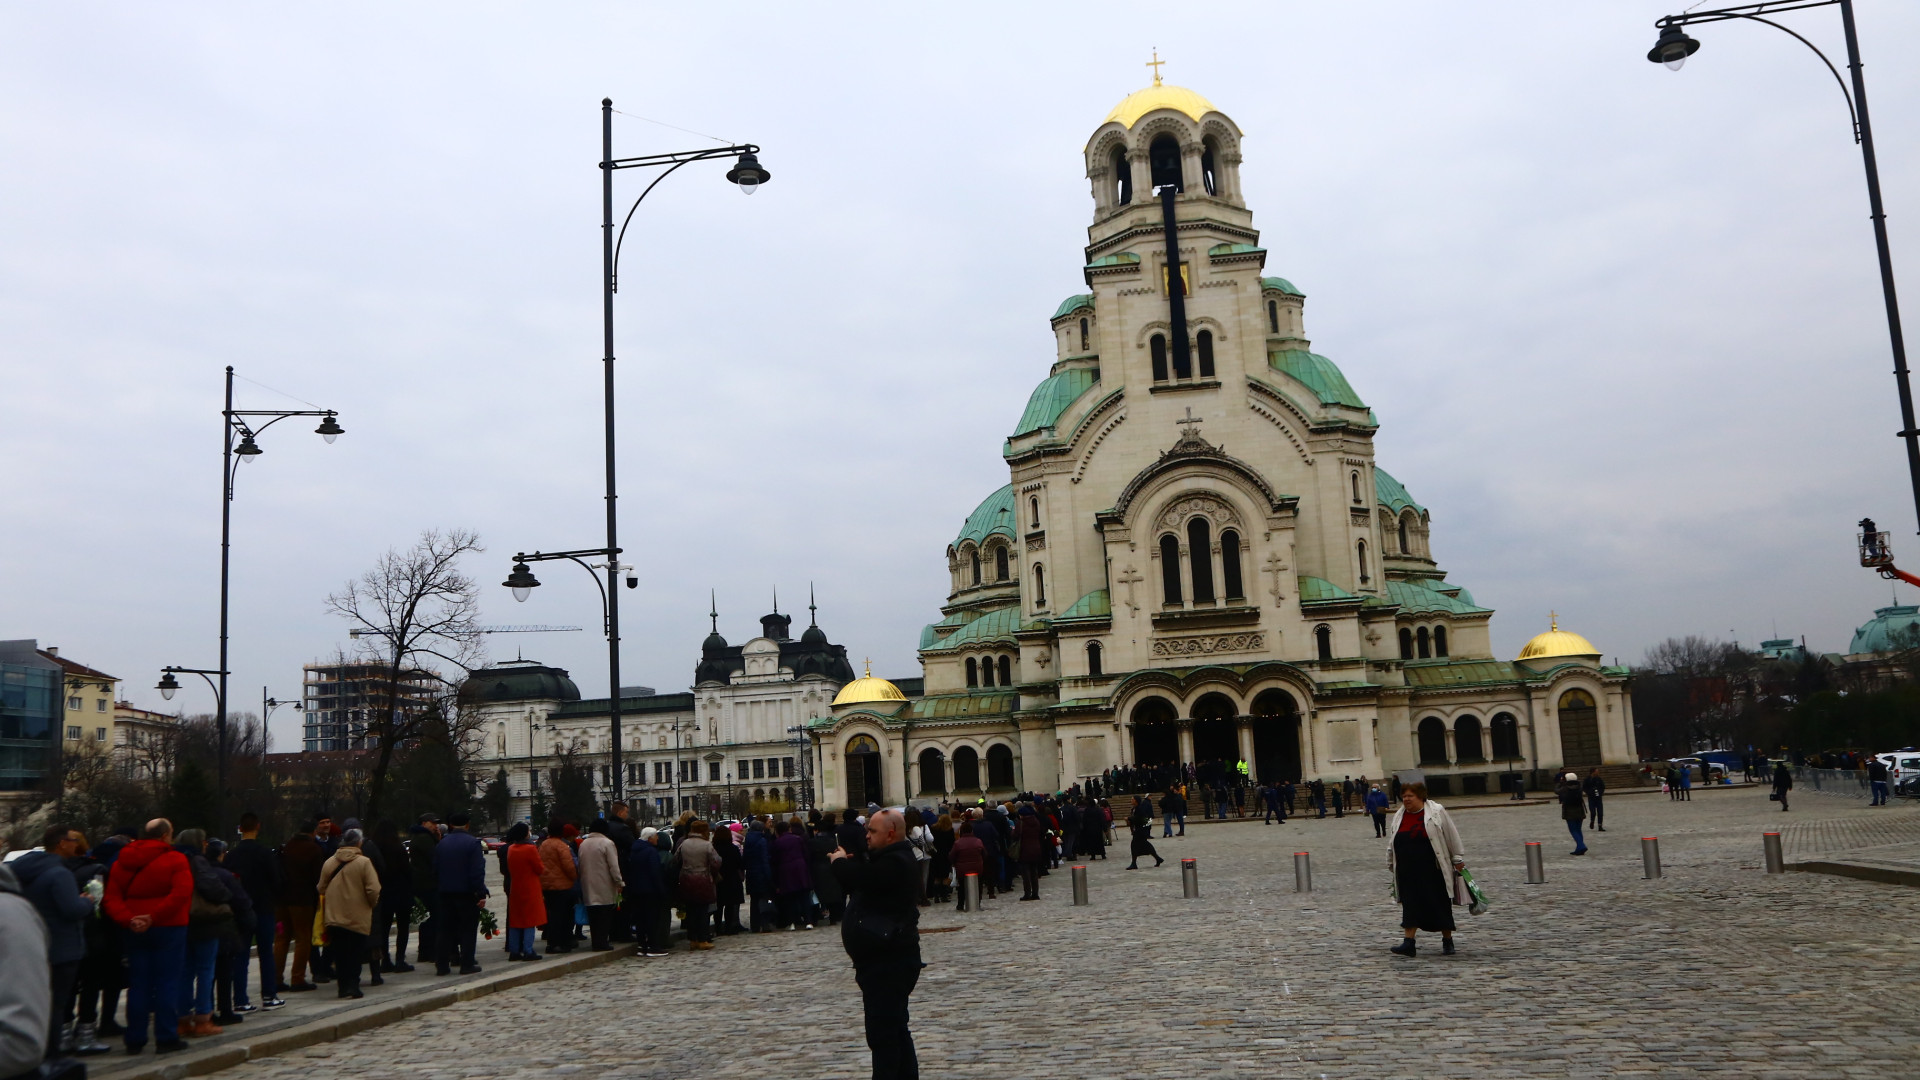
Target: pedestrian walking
x,y
460,871
1426,852
881,935
1173,806
1594,787
1877,778
526,904
698,865
148,893
1376,803
1572,809
1140,824
1782,783
351,888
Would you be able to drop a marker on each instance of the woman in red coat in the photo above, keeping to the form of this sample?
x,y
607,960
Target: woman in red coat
x,y
969,857
526,907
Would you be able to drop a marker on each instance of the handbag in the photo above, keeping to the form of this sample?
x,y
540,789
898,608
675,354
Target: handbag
x,y
579,914
203,912
320,922
1480,902
1773,796
870,935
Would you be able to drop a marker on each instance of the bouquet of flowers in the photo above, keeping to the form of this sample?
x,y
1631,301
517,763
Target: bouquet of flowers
x,y
488,927
419,914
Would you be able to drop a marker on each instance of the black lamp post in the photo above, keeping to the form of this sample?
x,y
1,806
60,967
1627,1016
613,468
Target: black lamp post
x,y
268,703
242,445
748,175
1675,46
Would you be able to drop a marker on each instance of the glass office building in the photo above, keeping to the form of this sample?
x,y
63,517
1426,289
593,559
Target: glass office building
x,y
29,715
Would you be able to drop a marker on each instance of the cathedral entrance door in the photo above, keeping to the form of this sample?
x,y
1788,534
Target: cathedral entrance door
x,y
863,773
1579,730
1156,739
1276,737
1216,738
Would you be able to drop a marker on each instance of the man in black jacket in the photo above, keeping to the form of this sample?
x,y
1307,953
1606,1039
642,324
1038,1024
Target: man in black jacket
x,y
258,868
881,934
421,840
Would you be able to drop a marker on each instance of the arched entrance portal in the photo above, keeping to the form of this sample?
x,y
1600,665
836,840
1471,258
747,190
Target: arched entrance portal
x,y
863,772
1579,730
1156,739
1215,737
1276,737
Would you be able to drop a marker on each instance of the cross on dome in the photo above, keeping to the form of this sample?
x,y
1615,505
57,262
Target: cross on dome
x,y
1155,65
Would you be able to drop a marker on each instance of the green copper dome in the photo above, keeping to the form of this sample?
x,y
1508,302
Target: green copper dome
x,y
1892,629
994,515
1052,397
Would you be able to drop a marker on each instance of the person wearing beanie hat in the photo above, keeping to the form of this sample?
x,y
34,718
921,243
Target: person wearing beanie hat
x,y
1573,809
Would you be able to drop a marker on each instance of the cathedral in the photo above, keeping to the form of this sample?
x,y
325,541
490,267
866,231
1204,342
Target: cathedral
x,y
1196,556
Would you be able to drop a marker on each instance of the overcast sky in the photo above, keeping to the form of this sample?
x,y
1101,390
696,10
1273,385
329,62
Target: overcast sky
x,y
1622,327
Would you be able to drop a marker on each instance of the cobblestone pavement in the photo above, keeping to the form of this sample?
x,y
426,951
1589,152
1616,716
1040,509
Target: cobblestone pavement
x,y
1714,969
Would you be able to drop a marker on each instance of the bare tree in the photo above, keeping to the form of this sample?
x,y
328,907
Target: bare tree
x,y
412,607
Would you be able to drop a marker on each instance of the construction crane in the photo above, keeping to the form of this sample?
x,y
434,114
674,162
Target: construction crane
x,y
1875,552
361,632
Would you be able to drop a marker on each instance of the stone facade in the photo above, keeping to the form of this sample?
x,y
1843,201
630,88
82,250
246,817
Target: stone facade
x,y
1196,556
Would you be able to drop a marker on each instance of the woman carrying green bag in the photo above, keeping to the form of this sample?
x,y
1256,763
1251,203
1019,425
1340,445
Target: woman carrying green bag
x,y
1426,853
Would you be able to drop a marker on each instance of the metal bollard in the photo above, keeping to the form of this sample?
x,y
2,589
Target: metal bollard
x,y
1776,862
1079,886
1650,856
1536,864
970,891
1189,879
1302,872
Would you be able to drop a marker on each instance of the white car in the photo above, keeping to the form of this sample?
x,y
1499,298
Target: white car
x,y
1901,764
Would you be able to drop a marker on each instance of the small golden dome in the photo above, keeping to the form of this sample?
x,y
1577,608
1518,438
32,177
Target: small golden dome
x,y
1159,96
867,689
1557,642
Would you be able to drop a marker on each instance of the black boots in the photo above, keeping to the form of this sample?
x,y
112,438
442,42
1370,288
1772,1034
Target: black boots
x,y
1405,948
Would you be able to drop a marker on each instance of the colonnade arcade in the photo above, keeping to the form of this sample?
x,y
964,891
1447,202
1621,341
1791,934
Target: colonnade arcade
x,y
1214,726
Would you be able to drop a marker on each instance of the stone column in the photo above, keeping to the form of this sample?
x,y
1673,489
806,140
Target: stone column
x,y
1244,724
1186,739
1186,562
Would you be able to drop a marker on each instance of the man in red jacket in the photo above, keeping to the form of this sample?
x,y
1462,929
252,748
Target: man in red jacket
x,y
148,893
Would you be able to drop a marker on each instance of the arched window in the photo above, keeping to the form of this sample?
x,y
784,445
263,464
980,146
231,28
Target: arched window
x,y
1433,741
1093,658
1000,767
1122,177
1504,734
1000,564
933,772
1425,643
1273,316
1200,549
1204,342
1170,569
1039,586
1207,176
1439,641
1231,585
1006,671
1360,549
1163,159
1405,548
1033,503
1466,739
1356,487
1323,641
973,672
1406,644
966,769
1157,346
974,557
1083,335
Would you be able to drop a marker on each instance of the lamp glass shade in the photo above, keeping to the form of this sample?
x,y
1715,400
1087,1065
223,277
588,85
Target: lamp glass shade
x,y
248,449
329,429
1673,48
167,685
520,594
521,581
748,174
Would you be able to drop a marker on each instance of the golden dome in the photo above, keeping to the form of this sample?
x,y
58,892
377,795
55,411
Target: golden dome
x,y
1159,96
1557,642
867,689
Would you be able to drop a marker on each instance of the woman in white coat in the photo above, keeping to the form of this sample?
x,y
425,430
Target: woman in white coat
x,y
1426,853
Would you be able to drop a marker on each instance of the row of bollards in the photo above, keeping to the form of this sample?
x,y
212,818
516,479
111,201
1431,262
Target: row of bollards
x,y
1650,865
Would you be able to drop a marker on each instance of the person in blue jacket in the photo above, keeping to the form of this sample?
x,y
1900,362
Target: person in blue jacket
x,y
1376,804
460,866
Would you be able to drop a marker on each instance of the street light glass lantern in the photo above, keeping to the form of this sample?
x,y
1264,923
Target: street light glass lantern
x,y
248,449
1673,48
167,685
521,581
748,174
329,429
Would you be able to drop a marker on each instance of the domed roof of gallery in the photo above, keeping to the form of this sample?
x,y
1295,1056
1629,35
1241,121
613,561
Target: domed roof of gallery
x,y
1158,96
1557,642
867,689
1892,629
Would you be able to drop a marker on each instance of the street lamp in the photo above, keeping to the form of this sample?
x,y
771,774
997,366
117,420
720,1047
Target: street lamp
x,y
748,174
1673,48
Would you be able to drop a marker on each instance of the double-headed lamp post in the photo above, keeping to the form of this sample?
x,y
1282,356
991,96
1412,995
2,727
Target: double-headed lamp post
x,y
1675,46
748,175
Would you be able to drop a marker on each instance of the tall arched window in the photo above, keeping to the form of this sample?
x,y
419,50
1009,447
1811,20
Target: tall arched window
x,y
1000,767
1323,641
1204,344
1163,159
1039,585
1083,335
1157,347
1439,641
1360,550
1504,733
1356,487
1207,176
1200,549
1466,740
986,671
1006,671
1273,316
974,557
1231,585
1000,564
1093,658
933,772
1406,644
973,672
1433,741
1425,643
1170,569
1122,177
966,769
1405,549
1033,503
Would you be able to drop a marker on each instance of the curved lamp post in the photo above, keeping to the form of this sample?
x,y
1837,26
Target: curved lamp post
x,y
1673,48
748,174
